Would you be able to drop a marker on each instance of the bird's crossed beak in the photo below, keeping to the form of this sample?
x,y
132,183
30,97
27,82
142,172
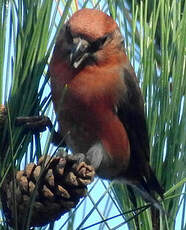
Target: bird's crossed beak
x,y
79,52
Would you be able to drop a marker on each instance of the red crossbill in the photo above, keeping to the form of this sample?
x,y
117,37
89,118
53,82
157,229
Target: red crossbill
x,y
98,102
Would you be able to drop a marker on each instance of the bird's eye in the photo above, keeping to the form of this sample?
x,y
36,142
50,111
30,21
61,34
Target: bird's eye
x,y
68,34
97,44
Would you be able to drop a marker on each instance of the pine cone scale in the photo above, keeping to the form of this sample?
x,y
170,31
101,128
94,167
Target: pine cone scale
x,y
47,189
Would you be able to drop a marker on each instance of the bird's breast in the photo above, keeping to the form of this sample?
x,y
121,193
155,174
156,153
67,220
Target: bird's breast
x,y
96,124
86,115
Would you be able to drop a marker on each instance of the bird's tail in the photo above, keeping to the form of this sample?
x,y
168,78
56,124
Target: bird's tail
x,y
147,189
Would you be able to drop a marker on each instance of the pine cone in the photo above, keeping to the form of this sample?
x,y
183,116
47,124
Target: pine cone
x,y
54,184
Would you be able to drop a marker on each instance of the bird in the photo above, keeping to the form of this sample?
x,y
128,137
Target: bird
x,y
99,104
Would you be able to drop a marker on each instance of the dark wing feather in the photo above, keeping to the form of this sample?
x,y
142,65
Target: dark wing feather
x,y
131,114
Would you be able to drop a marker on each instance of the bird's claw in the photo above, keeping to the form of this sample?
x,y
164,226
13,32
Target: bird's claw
x,y
85,170
76,158
81,168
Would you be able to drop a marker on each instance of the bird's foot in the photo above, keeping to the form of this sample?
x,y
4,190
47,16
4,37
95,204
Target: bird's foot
x,y
76,158
80,166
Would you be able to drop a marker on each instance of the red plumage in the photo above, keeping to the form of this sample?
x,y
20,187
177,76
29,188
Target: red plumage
x,y
98,102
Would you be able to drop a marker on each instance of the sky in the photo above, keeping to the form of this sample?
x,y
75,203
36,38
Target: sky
x,y
98,194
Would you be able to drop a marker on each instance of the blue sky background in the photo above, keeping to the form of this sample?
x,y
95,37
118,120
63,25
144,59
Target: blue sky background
x,y
97,190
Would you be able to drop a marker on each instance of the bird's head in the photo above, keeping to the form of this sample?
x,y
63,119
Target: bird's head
x,y
89,37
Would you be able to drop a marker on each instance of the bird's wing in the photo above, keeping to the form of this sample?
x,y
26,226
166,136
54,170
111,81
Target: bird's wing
x,y
131,113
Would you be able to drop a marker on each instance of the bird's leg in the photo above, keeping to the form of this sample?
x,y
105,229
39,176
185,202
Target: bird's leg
x,y
76,158
93,157
37,124
78,163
